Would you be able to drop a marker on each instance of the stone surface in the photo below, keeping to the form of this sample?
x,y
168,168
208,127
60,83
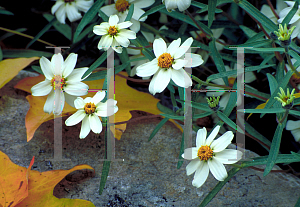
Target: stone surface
x,y
148,175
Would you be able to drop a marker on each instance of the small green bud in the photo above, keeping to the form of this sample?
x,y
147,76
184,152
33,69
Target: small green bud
x,y
213,102
286,100
284,35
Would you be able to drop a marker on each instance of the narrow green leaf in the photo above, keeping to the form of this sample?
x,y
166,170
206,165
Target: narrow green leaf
x,y
202,115
211,11
297,155
266,111
1,54
257,135
130,13
153,10
157,128
103,16
173,116
274,148
104,175
180,159
229,122
45,29
12,53
232,101
280,71
262,160
124,59
148,53
251,90
198,4
98,62
165,110
249,32
85,32
251,44
196,105
5,12
64,29
278,49
8,34
297,113
37,69
298,203
217,58
290,15
171,88
218,187
87,18
272,83
181,93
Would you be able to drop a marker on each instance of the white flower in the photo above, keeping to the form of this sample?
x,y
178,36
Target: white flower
x,y
62,82
88,111
266,10
180,4
295,21
295,78
210,155
121,8
70,9
114,34
168,64
249,77
294,127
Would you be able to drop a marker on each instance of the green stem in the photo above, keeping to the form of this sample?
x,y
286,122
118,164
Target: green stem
x,y
290,62
284,116
236,165
208,84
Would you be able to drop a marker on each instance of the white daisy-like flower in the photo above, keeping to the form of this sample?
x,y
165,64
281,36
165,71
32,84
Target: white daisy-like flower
x,y
180,4
249,77
168,64
70,9
294,127
62,82
210,155
114,34
88,111
266,10
295,78
121,8
295,21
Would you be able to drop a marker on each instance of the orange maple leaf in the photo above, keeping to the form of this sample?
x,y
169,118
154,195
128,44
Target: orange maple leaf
x,y
128,99
21,187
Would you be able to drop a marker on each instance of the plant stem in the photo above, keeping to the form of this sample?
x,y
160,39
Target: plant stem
x,y
284,116
290,62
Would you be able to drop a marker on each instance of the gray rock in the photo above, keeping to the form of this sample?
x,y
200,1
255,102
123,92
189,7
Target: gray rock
x,y
148,175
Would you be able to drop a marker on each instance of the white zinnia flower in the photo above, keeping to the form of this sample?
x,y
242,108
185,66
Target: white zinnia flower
x,y
180,4
295,21
168,64
70,9
249,77
210,155
88,111
266,10
114,34
294,127
121,8
62,82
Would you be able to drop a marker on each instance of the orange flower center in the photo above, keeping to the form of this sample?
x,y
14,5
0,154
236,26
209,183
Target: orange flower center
x,y
205,152
58,82
89,108
165,60
112,31
122,5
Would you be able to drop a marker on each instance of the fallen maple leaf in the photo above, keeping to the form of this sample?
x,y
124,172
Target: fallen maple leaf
x,y
9,68
36,190
128,99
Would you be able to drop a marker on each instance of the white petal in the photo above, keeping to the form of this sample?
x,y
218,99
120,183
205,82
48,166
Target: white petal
x,y
49,105
143,3
147,69
47,68
124,25
99,96
59,102
292,125
222,142
178,64
61,14
224,100
183,48
135,25
87,100
160,81
95,124
192,166
113,20
183,5
100,29
69,65
212,135
75,118
124,33
208,88
76,75
249,77
159,47
194,61
79,103
170,4
201,137
181,78
84,5
173,47
228,156
201,175
72,12
106,109
56,6
85,127
296,134
122,40
76,88
42,89
190,153
109,10
217,169
70,99
105,42
57,61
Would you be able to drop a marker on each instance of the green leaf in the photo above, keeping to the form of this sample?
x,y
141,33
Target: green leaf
x,y
262,160
196,105
157,128
5,12
181,93
165,110
218,187
298,203
229,122
180,159
251,44
211,11
64,29
130,13
198,5
232,101
1,54
280,71
202,115
249,32
153,10
297,155
103,16
272,83
98,62
148,53
297,113
217,58
258,136
263,95
274,148
45,29
87,18
278,49
12,53
173,116
124,59
8,34
85,32
290,15
37,69
266,111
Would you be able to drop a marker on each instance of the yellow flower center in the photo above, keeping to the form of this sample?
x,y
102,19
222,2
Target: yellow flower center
x,y
89,108
205,152
165,60
58,81
112,31
122,5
